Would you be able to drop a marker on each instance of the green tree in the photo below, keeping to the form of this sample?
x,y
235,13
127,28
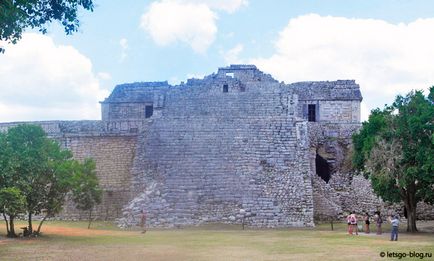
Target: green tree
x,y
395,149
12,203
86,192
16,15
34,159
38,167
58,182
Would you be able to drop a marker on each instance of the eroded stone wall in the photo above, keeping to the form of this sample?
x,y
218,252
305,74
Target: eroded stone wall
x,y
113,156
111,145
345,191
213,153
234,146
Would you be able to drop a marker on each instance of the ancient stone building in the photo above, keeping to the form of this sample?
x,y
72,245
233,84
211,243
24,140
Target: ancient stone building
x,y
235,145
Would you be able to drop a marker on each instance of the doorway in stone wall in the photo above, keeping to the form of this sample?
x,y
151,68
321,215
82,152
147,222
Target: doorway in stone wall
x,y
323,169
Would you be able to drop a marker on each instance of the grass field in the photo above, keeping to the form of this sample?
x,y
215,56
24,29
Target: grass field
x,y
72,241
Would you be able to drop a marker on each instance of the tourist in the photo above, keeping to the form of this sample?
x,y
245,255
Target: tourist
x,y
378,222
350,227
143,221
395,223
367,223
353,220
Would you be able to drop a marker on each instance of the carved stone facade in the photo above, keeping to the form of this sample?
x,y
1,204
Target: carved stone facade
x,y
235,145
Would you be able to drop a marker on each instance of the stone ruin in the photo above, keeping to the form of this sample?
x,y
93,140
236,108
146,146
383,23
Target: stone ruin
x,y
236,146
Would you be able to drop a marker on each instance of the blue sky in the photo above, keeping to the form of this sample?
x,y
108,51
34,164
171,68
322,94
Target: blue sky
x,y
386,46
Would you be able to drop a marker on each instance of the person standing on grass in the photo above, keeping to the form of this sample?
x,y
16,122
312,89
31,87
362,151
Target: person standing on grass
x,y
378,222
367,223
350,227
353,220
395,223
143,221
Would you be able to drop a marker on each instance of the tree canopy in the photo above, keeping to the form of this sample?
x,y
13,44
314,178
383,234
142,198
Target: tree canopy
x,y
395,150
17,15
37,168
12,203
86,192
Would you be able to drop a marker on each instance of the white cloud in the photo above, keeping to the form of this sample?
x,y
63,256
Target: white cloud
x,y
104,76
124,46
385,59
123,43
192,22
232,55
40,80
170,21
229,6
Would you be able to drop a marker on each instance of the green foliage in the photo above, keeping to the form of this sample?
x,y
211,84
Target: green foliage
x,y
395,149
364,141
16,15
37,166
403,132
42,171
86,192
415,129
12,201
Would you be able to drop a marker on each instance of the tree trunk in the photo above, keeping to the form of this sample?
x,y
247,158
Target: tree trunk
x,y
7,224
11,227
30,224
90,218
40,225
410,204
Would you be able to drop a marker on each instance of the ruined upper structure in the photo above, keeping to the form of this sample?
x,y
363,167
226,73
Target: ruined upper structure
x,y
237,140
337,101
235,144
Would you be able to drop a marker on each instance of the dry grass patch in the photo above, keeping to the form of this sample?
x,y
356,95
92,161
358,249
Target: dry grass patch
x,y
72,241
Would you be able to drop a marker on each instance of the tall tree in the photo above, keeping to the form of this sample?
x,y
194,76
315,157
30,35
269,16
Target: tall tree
x,y
38,168
16,15
57,182
29,159
86,192
12,203
395,149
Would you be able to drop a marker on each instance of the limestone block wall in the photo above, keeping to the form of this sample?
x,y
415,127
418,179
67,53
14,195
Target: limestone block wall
x,y
339,111
333,111
128,101
111,145
213,153
113,156
128,111
345,191
335,101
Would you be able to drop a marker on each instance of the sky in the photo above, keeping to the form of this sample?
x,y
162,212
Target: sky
x,y
385,45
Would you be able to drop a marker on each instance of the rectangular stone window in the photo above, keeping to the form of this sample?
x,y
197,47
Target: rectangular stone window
x,y
225,88
311,112
149,110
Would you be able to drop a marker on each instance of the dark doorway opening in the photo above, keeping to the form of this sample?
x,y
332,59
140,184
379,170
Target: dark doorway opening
x,y
225,88
322,168
149,110
311,109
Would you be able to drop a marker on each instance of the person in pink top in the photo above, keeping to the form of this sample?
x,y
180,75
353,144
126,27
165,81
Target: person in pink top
x,y
353,221
350,227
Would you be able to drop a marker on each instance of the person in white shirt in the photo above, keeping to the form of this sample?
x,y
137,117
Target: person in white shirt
x,y
395,223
